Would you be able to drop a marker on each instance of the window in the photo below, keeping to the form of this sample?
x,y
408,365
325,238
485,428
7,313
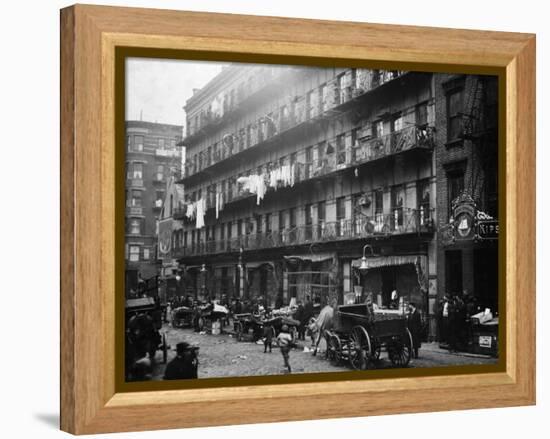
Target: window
x,y
136,198
172,143
379,209
259,224
146,254
455,107
159,198
321,217
161,143
267,223
309,161
239,227
455,186
229,229
340,215
135,226
308,220
138,143
423,197
134,253
340,149
137,170
396,123
422,114
397,197
160,173
281,220
378,129
292,223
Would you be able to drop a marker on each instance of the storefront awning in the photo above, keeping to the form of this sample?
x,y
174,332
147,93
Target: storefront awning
x,y
252,265
318,257
420,263
386,261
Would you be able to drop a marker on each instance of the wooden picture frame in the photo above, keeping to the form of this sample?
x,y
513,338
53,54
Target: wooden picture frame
x,y
90,35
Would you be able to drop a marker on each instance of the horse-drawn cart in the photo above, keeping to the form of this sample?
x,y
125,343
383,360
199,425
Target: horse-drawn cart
x,y
247,326
359,334
251,327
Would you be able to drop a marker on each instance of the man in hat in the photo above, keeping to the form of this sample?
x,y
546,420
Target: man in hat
x,y
184,366
414,323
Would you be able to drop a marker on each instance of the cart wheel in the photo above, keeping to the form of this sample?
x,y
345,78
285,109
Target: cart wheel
x,y
338,354
400,350
359,348
164,349
376,349
239,331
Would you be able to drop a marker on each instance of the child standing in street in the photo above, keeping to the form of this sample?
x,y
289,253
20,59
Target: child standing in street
x,y
268,337
284,340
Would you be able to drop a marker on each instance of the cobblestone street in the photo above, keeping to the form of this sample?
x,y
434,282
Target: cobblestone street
x,y
223,356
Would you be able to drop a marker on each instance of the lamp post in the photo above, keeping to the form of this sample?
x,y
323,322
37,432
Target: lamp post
x,y
362,269
364,263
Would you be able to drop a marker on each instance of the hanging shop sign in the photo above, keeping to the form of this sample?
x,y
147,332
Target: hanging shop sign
x,y
487,229
468,223
464,210
165,238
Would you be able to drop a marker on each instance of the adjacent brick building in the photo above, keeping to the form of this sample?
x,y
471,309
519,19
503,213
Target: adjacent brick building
x,y
467,167
152,155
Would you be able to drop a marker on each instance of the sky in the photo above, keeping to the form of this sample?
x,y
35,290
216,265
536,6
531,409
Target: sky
x,y
158,89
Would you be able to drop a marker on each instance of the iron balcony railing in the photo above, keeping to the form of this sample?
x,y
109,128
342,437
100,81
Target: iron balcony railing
x,y
268,127
364,150
399,222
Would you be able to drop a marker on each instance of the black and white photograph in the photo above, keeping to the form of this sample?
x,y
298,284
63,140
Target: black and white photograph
x,y
288,219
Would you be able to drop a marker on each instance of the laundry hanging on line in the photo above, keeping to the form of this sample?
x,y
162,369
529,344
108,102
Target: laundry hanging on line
x,y
255,184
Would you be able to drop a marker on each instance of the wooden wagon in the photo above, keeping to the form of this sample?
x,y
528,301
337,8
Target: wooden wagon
x,y
359,334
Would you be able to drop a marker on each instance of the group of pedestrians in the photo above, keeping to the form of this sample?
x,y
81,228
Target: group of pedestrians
x,y
454,315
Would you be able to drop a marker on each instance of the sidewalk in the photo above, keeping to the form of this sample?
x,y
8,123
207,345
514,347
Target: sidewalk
x,y
434,347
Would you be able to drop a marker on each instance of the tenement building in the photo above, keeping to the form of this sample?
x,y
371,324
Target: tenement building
x,y
467,189
293,174
152,155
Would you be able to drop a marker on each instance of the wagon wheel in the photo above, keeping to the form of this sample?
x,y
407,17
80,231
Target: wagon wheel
x,y
332,343
376,349
337,349
164,349
359,348
239,331
400,351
